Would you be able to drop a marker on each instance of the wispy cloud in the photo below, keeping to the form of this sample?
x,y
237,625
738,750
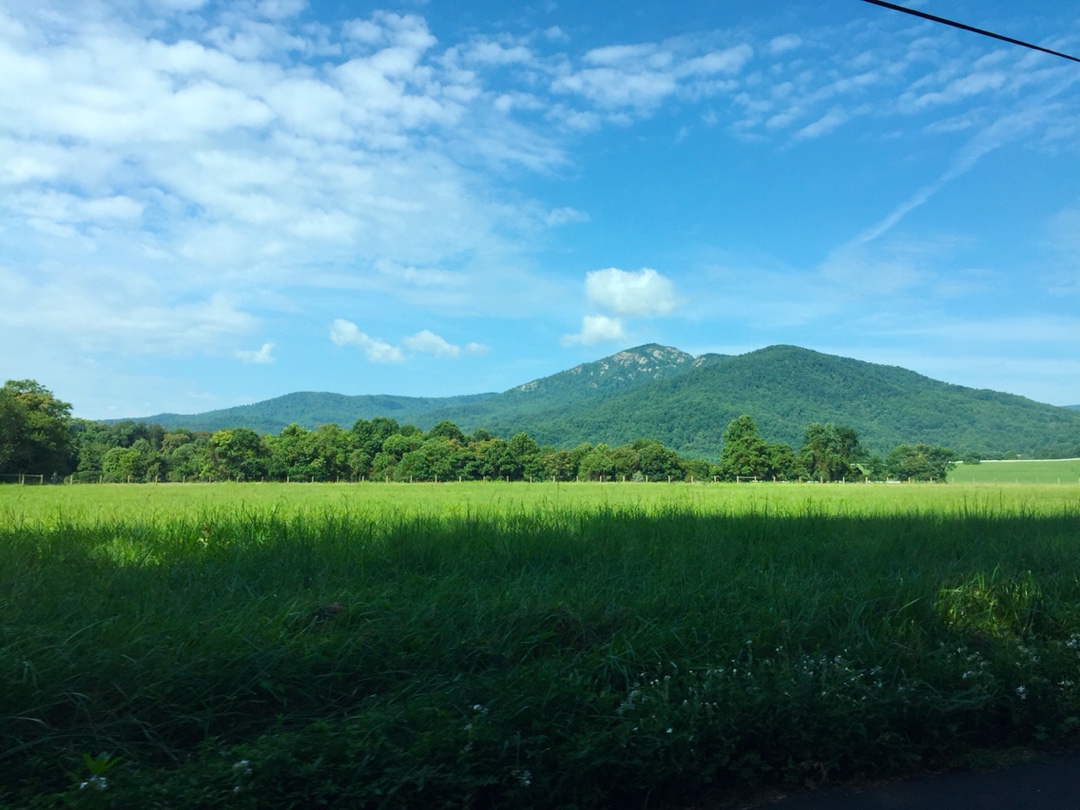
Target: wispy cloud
x,y
262,356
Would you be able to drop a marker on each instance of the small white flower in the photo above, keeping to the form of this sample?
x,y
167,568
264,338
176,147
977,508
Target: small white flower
x,y
524,777
98,782
1021,692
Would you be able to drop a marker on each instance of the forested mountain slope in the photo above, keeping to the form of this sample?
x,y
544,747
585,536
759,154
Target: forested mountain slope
x,y
785,388
662,393
311,409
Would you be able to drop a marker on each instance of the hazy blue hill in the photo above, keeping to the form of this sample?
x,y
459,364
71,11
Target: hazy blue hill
x,y
659,392
311,409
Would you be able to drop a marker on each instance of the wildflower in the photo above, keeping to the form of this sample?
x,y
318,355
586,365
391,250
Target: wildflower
x,y
98,782
524,777
669,731
1021,692
242,768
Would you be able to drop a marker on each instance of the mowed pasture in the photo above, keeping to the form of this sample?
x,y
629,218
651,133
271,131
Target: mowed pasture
x,y
1049,471
524,645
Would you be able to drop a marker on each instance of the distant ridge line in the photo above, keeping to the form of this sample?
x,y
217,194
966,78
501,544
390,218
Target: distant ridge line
x,y
662,393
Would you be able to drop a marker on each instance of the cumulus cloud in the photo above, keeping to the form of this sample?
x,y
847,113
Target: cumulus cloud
x,y
262,356
642,294
346,333
427,342
596,329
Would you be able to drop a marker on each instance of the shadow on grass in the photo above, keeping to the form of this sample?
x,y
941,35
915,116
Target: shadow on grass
x,y
540,658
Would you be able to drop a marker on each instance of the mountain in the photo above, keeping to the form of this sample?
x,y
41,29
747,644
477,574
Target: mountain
x,y
311,409
785,388
662,393
597,380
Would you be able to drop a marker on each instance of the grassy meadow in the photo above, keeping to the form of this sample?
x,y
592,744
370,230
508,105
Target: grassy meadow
x,y
517,645
1049,471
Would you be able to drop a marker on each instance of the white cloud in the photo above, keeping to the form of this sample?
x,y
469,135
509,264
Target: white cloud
x,y
280,9
641,294
261,356
827,123
346,333
427,342
784,43
627,81
596,329
565,216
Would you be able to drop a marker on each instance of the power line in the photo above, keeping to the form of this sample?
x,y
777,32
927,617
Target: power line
x,y
971,28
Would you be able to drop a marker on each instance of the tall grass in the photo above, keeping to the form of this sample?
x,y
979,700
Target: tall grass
x,y
522,646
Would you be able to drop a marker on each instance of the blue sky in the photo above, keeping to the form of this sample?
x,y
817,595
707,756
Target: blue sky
x,y
208,203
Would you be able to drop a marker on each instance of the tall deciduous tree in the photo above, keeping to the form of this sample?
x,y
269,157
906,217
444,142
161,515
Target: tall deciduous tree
x,y
829,452
745,453
920,462
35,429
237,453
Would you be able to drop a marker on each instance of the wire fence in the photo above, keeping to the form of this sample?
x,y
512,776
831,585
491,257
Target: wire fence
x,y
24,479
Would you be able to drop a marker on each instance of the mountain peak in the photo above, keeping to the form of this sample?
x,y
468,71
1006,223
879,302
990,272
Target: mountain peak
x,y
621,370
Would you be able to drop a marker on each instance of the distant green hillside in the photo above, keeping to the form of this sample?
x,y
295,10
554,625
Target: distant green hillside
x,y
785,388
312,409
662,393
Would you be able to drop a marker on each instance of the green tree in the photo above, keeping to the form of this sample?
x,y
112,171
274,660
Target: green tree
x,y
332,448
783,463
829,452
597,464
237,453
557,464
697,469
35,430
745,453
136,464
656,462
920,462
186,461
493,459
627,461
525,453
437,459
447,430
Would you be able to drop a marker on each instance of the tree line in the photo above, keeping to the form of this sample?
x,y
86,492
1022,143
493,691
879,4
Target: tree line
x,y
39,436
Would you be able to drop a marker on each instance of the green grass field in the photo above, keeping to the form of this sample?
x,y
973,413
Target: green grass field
x,y
1051,471
517,645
